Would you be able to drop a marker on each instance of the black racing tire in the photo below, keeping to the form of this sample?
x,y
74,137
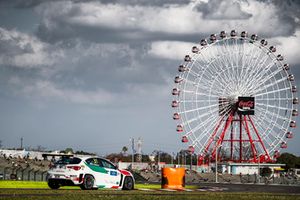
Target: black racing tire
x,y
128,183
54,185
88,182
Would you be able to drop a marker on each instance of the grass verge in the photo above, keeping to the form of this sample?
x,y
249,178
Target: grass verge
x,y
43,185
39,190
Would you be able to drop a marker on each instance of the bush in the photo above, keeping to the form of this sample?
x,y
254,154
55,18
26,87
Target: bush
x,y
266,172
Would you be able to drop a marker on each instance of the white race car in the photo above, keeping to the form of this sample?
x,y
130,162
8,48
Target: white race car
x,y
88,173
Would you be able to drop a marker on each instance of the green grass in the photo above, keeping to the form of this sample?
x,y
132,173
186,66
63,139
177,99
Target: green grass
x,y
39,190
43,185
46,194
23,184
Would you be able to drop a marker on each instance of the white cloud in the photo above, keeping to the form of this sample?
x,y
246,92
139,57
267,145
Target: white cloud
x,y
68,19
217,9
173,50
180,19
23,50
289,47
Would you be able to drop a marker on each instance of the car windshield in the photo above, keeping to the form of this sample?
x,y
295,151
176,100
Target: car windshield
x,y
68,160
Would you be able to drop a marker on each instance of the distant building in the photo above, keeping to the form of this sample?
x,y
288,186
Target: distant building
x,y
248,168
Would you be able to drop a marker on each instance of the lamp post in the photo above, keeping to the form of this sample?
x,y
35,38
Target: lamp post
x,y
216,159
133,151
208,163
158,156
191,164
258,174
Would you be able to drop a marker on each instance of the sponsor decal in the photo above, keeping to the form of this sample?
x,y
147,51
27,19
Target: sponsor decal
x,y
113,173
246,105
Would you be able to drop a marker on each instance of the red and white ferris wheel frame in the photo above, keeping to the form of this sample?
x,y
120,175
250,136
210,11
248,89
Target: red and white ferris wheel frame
x,y
221,70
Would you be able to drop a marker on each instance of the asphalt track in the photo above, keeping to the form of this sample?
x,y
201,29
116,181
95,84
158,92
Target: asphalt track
x,y
205,187
253,188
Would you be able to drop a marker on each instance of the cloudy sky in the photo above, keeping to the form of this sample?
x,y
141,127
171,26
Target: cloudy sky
x,y
92,74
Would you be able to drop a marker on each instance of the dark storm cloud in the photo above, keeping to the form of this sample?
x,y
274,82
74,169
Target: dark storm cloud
x,y
220,10
100,75
288,12
58,26
33,3
111,67
124,22
147,2
109,35
22,50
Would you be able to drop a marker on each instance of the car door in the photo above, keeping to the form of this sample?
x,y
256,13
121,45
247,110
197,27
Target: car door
x,y
113,177
96,169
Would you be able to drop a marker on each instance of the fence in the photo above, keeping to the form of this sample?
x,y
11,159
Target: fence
x,y
24,174
283,180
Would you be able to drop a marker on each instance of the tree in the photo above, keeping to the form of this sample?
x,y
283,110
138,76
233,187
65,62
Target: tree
x,y
84,153
289,159
162,156
124,150
265,172
40,148
118,156
69,150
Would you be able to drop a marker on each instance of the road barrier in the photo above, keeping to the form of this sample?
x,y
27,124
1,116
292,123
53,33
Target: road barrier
x,y
173,178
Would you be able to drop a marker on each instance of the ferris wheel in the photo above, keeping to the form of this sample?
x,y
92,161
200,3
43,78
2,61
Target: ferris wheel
x,y
236,95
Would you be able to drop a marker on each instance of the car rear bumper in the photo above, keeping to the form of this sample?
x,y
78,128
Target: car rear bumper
x,y
62,182
66,180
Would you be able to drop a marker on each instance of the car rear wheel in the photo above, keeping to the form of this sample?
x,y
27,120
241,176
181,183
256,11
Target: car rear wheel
x,y
128,184
88,182
53,184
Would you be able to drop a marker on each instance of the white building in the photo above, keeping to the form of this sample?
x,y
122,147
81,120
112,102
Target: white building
x,y
249,168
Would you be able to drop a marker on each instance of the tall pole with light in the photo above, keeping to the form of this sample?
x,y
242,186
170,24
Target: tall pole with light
x,y
133,151
258,174
216,159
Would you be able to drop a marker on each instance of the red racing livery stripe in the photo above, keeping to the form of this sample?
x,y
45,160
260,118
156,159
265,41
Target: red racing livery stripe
x,y
124,172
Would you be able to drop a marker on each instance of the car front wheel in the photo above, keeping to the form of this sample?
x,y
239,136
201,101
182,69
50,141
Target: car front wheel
x,y
88,182
128,184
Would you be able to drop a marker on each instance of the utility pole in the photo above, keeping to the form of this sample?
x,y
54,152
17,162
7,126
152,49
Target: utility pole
x,y
21,142
133,151
139,150
208,163
172,158
191,162
258,174
216,170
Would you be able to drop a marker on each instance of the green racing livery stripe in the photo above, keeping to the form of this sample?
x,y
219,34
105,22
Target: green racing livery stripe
x,y
96,168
